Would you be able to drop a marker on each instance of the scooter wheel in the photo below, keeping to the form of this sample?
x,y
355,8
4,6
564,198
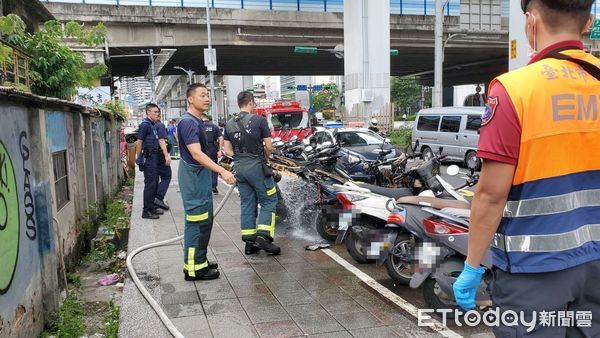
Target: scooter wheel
x,y
401,271
355,248
431,293
325,228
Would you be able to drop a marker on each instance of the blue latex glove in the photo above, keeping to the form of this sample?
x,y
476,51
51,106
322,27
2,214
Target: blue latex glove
x,y
465,287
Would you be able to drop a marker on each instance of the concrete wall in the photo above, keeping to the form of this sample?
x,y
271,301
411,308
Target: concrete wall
x,y
33,229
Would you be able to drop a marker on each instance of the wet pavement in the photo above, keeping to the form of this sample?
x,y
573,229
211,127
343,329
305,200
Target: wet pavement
x,y
298,293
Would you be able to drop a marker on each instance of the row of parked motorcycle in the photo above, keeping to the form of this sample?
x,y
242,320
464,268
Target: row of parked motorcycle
x,y
413,221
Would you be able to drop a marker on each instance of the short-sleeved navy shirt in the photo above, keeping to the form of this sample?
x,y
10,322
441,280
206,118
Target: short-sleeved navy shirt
x,y
188,132
258,130
145,128
213,144
161,130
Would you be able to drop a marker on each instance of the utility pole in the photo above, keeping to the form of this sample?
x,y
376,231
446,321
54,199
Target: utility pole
x,y
153,84
214,111
438,85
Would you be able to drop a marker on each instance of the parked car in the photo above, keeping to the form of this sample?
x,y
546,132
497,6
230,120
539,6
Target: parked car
x,y
130,134
358,145
456,129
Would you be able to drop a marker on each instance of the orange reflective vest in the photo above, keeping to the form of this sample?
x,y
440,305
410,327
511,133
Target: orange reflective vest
x,y
552,217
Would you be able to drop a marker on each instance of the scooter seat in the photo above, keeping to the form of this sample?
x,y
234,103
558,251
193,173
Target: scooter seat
x,y
394,193
433,202
456,212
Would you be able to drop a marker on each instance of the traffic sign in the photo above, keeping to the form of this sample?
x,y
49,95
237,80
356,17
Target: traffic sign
x,y
301,87
317,87
595,35
210,59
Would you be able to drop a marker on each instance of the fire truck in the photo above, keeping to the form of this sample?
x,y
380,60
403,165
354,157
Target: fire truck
x,y
286,119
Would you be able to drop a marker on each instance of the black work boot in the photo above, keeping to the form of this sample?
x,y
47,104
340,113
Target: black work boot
x,y
157,211
267,245
213,265
207,274
149,215
251,248
160,204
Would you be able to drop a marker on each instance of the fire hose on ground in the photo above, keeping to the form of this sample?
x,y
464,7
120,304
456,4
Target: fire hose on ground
x,y
153,303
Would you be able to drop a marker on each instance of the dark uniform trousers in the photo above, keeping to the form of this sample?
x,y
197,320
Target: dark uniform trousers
x,y
198,204
576,289
255,189
151,175
164,173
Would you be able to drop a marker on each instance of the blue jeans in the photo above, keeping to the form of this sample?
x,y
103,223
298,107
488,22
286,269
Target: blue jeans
x,y
256,189
196,193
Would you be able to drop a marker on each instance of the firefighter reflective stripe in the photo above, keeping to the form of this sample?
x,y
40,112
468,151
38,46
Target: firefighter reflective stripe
x,y
190,262
248,232
191,269
548,243
269,227
197,218
272,191
554,204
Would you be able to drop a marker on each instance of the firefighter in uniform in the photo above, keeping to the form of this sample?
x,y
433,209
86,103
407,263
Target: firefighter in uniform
x,y
214,139
536,203
195,182
151,155
244,136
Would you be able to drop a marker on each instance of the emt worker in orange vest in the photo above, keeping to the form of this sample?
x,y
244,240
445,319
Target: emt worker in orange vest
x,y
538,200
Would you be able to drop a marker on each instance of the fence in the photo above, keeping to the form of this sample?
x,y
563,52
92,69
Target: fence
x,y
398,7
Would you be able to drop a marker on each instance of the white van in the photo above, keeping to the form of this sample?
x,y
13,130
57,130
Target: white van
x,y
456,129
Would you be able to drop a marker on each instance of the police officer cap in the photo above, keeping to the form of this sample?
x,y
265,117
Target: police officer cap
x,y
562,5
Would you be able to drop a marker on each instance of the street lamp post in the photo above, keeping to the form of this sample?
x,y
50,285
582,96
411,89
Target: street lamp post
x,y
153,75
437,100
212,77
189,73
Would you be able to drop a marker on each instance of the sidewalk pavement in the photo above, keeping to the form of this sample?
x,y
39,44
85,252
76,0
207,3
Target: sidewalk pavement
x,y
299,293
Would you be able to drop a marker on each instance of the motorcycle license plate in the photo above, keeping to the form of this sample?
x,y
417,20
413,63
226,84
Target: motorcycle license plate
x,y
345,221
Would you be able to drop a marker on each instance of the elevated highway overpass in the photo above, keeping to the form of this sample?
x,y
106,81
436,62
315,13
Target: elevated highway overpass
x,y
261,41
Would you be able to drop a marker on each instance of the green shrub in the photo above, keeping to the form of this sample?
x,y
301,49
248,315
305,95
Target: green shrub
x,y
68,321
401,138
111,321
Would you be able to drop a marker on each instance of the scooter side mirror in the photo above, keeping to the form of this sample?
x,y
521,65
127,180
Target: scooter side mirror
x,y
453,170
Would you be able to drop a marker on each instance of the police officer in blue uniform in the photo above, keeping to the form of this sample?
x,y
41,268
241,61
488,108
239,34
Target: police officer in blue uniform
x,y
152,151
195,184
244,136
164,173
214,139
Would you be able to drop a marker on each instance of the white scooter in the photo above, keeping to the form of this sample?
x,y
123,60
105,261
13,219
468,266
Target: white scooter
x,y
362,225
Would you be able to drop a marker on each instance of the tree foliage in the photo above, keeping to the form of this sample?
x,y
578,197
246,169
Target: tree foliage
x,y
405,92
326,99
115,108
55,69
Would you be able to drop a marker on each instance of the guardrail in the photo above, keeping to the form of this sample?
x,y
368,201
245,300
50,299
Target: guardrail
x,y
398,7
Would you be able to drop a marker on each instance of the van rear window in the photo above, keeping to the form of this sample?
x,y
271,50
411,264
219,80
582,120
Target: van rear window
x,y
428,123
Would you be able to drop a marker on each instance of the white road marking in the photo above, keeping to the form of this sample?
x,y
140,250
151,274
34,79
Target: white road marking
x,y
399,301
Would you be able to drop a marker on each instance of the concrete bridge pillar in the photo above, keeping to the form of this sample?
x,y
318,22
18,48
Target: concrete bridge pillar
x,y
236,84
366,57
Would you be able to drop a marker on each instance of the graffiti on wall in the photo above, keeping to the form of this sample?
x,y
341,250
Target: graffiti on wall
x,y
28,204
11,206
9,220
